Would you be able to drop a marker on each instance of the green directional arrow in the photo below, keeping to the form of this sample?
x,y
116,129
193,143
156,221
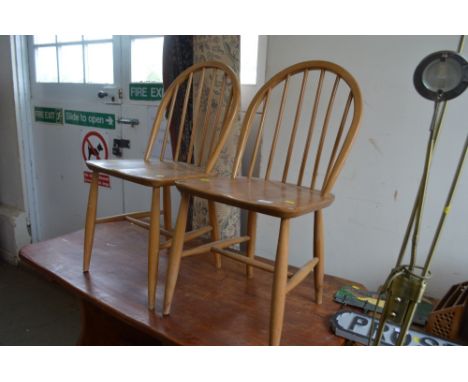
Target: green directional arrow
x,y
90,119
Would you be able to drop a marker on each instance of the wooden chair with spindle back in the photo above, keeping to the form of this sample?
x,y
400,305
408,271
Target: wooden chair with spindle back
x,y
212,121
280,198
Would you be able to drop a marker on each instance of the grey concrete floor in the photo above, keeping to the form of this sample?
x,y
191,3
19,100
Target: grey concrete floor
x,y
35,311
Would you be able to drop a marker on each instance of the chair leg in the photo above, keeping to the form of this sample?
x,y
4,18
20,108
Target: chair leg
x,y
176,253
319,253
252,233
280,280
215,232
90,224
153,247
167,207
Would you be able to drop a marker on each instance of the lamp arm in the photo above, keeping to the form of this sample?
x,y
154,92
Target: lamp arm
x,y
404,244
447,207
461,42
420,189
406,284
422,194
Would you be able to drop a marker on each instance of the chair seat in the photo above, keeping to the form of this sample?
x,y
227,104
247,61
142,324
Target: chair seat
x,y
151,173
267,197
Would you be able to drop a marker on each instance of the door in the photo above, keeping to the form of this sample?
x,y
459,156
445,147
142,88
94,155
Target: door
x,y
141,56
93,97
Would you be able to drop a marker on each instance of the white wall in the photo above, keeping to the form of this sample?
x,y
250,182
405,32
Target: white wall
x,y
375,192
13,222
10,172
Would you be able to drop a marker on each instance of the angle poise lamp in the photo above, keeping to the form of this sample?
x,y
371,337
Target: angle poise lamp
x,y
439,77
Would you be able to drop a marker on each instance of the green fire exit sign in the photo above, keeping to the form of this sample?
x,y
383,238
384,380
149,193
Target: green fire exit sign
x,y
48,115
146,91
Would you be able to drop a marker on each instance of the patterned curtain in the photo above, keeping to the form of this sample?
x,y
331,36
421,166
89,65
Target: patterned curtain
x,y
225,49
178,56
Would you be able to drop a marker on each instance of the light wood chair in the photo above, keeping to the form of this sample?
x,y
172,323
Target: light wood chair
x,y
212,122
325,110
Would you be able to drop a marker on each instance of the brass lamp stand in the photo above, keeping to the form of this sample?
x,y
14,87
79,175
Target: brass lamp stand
x,y
441,76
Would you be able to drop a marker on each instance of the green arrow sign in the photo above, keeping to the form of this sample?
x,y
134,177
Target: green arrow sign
x,y
146,91
91,119
48,115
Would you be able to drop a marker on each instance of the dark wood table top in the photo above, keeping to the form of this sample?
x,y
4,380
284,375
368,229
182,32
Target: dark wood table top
x,y
210,307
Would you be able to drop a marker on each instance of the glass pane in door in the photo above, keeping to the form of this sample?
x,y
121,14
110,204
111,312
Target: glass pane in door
x,y
46,64
71,63
99,63
146,59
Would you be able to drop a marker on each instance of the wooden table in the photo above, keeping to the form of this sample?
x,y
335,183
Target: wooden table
x,y
211,307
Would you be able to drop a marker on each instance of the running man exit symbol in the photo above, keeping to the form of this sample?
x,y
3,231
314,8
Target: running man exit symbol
x,y
48,115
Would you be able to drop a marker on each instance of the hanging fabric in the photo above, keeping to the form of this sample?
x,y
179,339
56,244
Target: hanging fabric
x,y
178,56
225,49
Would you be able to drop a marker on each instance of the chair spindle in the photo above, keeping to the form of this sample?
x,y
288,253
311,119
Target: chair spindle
x,y
324,131
184,113
338,136
169,121
196,115
313,119
294,129
277,128
259,133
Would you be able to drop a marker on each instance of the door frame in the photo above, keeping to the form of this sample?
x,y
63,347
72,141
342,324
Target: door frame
x,y
24,84
22,94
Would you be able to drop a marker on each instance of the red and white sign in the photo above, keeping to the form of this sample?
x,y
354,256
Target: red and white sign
x,y
104,180
94,147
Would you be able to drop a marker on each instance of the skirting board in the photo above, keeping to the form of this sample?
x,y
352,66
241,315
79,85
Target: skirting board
x,y
13,233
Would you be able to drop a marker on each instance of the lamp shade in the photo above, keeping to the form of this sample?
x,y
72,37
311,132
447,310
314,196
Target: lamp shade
x,y
441,76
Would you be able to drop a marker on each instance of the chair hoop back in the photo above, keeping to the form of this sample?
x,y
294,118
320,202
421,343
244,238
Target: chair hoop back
x,y
312,91
213,82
